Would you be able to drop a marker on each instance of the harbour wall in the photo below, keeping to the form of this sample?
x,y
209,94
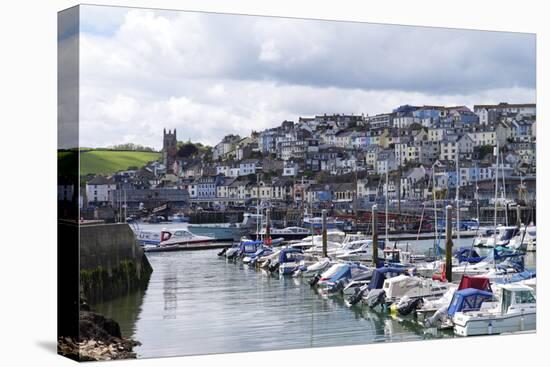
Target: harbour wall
x,y
112,264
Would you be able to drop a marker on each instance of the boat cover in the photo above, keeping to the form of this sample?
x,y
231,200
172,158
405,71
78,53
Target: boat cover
x,y
480,283
344,271
524,275
381,274
469,299
469,255
250,247
284,254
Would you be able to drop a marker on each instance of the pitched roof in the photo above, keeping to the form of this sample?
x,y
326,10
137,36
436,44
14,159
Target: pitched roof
x,y
101,180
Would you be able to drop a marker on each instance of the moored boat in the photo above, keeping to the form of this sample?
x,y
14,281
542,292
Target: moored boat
x,y
514,311
177,239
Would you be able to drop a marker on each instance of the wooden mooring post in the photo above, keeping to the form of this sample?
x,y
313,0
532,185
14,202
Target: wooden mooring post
x,y
267,227
324,216
448,244
375,235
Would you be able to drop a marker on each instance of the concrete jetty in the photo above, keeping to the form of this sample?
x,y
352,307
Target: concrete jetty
x,y
111,261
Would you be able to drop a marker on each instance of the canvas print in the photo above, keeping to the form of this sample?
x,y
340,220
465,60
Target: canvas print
x,y
235,183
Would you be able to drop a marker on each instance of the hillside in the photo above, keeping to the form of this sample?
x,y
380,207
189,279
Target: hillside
x,y
106,162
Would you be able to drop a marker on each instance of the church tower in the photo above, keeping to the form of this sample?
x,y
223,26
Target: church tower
x,y
169,149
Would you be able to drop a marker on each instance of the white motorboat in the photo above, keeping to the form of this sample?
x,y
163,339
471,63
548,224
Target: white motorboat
x,y
336,237
349,245
176,239
308,269
483,234
288,233
413,287
361,253
317,222
514,311
503,236
525,240
430,307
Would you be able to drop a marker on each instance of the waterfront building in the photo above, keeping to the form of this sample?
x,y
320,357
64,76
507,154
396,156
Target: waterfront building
x,y
98,190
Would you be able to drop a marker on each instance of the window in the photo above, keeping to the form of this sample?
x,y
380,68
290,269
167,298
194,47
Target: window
x,y
524,297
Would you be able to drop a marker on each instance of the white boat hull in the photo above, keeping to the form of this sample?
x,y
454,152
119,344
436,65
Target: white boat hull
x,y
466,325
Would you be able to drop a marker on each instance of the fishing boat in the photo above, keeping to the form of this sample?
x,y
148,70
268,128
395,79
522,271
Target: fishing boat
x,y
514,311
177,239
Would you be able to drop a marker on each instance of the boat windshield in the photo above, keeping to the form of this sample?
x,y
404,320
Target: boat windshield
x,y
506,300
182,234
354,246
522,297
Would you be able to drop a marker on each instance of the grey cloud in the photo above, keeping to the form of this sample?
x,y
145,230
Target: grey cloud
x,y
210,74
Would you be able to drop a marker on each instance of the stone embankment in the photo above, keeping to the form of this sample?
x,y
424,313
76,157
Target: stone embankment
x,y
99,339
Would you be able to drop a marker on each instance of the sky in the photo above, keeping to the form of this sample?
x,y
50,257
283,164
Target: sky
x,y
208,75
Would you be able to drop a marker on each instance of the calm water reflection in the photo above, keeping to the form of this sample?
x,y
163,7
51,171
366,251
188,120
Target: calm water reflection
x,y
197,303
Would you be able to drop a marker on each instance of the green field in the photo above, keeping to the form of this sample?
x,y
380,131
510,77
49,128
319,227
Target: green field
x,y
106,162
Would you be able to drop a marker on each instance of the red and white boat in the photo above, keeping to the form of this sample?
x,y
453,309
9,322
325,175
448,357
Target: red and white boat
x,y
178,239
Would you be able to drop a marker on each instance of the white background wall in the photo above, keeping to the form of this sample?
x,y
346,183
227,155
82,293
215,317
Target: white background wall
x,y
28,95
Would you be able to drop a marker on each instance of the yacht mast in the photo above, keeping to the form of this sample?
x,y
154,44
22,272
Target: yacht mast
x,y
476,172
257,206
504,189
435,206
496,196
457,198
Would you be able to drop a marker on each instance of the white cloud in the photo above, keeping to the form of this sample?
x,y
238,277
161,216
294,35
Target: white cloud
x,y
212,74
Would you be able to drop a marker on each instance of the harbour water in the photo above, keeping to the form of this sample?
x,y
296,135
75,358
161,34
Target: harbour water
x,y
198,303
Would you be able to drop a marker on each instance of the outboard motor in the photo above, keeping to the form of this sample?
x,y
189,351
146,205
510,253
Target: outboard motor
x,y
222,252
339,286
231,253
437,318
297,273
273,268
410,305
375,297
357,296
313,281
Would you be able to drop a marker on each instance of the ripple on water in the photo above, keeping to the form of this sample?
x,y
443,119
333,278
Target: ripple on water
x,y
197,303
